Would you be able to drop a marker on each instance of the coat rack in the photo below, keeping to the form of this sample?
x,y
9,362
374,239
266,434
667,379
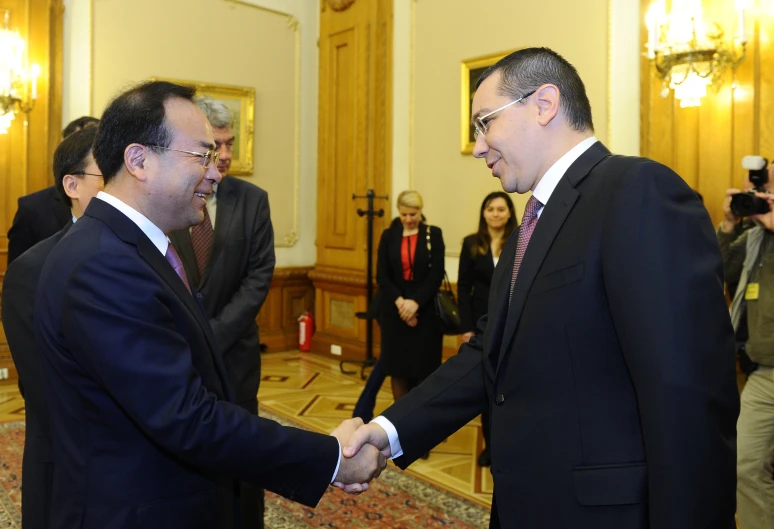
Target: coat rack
x,y
368,315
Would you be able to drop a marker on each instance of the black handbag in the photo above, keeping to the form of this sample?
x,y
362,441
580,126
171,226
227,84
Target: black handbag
x,y
447,309
445,303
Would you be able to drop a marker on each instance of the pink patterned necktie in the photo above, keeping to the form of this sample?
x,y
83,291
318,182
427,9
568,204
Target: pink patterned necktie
x,y
202,236
174,259
525,232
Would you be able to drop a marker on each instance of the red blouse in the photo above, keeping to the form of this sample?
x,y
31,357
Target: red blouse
x,y
408,251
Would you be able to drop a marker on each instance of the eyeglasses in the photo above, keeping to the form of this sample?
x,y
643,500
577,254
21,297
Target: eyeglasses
x,y
88,174
481,125
207,157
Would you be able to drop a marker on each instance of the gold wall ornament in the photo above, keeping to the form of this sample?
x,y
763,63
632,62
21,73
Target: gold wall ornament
x,y
339,5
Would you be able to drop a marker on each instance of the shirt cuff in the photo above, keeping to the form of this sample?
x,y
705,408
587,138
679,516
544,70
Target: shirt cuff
x,y
338,463
392,435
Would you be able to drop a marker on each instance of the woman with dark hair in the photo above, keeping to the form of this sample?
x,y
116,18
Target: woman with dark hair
x,y
480,253
409,272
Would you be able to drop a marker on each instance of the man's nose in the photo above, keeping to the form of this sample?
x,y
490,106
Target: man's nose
x,y
212,173
480,148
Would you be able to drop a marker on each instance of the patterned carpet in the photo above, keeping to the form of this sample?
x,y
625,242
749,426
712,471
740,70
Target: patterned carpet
x,y
396,500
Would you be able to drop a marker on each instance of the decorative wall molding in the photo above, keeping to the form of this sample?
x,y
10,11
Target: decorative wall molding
x,y
294,24
338,5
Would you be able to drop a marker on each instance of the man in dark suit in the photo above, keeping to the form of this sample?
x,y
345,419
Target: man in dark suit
x,y
607,356
77,180
229,261
144,429
41,214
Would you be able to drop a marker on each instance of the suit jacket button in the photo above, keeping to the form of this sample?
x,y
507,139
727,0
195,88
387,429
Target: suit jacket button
x,y
499,399
199,295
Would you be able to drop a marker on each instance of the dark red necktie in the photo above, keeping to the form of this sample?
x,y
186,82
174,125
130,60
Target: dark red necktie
x,y
174,259
528,224
201,239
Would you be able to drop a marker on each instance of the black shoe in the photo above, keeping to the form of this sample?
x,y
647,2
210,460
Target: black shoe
x,y
484,459
425,456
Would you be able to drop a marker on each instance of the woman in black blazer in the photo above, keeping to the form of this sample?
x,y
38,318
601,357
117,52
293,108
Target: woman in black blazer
x,y
409,272
480,253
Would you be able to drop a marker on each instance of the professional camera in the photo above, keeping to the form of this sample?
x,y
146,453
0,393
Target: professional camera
x,y
746,204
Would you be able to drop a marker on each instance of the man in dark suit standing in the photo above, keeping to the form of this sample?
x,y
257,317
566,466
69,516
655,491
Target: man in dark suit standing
x,y
41,214
77,180
144,429
607,356
229,261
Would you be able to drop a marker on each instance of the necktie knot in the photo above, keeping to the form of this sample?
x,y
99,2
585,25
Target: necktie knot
x,y
532,207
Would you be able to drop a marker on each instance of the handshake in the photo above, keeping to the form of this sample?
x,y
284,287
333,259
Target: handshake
x,y
365,449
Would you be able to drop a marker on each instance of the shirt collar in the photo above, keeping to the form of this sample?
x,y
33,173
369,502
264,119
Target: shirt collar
x,y
152,231
550,180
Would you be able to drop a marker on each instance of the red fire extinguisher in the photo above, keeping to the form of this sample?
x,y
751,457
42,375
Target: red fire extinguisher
x,y
305,331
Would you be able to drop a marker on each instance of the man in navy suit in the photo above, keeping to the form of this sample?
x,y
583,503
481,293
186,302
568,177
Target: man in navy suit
x,y
144,428
41,214
77,180
607,355
229,260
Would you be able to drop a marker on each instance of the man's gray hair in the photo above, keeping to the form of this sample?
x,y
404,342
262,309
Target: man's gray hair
x,y
218,114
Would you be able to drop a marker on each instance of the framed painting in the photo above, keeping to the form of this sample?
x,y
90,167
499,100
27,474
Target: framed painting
x,y
471,70
241,101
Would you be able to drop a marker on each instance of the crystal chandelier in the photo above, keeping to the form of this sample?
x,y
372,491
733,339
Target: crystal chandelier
x,y
686,55
18,83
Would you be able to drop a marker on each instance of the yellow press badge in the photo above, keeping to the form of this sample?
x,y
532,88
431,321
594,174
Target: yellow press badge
x,y
752,291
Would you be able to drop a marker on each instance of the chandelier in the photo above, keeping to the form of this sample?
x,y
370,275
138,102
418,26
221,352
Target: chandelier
x,y
687,55
18,83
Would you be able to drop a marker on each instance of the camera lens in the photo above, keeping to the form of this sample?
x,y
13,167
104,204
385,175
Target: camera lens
x,y
746,204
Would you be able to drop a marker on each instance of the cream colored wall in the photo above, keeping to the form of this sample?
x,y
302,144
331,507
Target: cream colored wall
x,y
446,32
253,45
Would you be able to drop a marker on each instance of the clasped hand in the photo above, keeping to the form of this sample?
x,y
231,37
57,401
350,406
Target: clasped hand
x,y
407,310
365,449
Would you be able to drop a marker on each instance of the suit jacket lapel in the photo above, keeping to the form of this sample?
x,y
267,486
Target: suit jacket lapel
x,y
498,296
130,233
550,222
224,215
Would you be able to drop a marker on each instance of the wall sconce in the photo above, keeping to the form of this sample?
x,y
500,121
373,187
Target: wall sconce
x,y
686,55
18,84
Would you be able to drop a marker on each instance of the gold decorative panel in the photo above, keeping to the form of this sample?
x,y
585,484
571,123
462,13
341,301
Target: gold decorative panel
x,y
354,155
342,314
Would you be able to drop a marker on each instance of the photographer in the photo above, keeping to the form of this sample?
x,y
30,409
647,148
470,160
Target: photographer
x,y
748,259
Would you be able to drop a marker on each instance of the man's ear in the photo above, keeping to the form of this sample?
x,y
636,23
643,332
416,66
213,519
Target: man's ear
x,y
547,97
135,159
70,184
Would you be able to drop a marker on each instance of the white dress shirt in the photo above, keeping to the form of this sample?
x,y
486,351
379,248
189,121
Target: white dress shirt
x,y
542,192
152,231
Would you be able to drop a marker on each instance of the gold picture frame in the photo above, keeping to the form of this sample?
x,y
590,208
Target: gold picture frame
x,y
241,101
470,71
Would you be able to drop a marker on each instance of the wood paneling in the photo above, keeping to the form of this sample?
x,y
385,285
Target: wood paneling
x,y
26,152
354,155
706,145
290,294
